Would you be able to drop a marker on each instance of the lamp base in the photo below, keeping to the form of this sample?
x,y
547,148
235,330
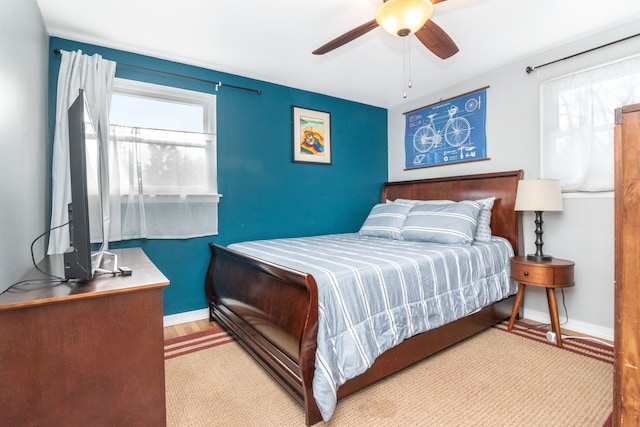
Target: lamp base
x,y
539,257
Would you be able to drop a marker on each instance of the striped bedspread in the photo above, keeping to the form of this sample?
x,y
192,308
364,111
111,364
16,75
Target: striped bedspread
x,y
374,293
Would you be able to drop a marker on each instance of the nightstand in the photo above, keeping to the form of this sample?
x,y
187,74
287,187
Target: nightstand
x,y
557,273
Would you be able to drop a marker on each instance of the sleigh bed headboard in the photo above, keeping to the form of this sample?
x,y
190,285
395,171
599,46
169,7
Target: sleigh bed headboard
x,y
505,221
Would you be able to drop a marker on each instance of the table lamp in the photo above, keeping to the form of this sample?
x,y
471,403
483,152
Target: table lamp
x,y
539,195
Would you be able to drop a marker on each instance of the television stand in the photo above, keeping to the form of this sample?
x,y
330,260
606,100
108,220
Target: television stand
x,y
85,354
113,263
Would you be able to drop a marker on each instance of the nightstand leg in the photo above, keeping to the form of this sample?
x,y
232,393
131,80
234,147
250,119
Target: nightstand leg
x,y
516,305
553,313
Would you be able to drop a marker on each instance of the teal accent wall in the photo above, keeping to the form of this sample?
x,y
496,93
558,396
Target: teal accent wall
x,y
265,194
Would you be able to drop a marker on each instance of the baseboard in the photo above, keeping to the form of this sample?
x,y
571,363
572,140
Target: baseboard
x,y
573,325
537,316
187,316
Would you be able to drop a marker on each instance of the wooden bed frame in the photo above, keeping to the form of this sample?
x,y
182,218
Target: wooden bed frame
x,y
273,310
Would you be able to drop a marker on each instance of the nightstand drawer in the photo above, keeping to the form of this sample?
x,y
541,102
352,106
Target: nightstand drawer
x,y
532,273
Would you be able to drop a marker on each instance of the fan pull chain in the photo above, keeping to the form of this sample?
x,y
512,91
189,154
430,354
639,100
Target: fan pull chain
x,y
409,82
404,64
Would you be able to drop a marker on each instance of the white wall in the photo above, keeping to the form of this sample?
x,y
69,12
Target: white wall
x,y
583,232
23,123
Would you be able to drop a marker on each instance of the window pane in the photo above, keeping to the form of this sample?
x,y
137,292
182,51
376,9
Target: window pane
x,y
130,110
164,162
577,121
173,169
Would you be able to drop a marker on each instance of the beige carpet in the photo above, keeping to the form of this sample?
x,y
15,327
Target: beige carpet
x,y
493,379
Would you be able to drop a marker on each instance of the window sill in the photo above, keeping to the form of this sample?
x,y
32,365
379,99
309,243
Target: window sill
x,y
588,195
177,198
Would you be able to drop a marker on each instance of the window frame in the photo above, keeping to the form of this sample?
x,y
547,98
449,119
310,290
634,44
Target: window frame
x,y
180,96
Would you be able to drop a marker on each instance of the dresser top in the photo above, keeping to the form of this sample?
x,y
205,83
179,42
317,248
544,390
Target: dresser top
x,y
144,275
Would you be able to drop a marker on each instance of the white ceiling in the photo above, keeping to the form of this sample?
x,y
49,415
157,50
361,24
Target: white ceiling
x,y
273,40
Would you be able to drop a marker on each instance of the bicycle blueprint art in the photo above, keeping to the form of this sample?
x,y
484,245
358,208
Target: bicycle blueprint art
x,y
451,131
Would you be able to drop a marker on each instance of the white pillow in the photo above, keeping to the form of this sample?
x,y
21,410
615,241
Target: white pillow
x,y
483,229
417,202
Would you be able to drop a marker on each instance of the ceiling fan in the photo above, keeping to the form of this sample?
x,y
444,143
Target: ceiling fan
x,y
402,18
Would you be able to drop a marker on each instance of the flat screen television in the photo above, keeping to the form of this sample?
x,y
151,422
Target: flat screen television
x,y
84,255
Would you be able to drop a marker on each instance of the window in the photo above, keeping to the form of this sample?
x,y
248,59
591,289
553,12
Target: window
x,y
577,123
163,165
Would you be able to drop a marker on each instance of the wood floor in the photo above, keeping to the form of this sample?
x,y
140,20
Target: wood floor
x,y
188,328
565,331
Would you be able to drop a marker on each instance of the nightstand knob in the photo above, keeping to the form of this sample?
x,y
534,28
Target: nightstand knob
x,y
526,273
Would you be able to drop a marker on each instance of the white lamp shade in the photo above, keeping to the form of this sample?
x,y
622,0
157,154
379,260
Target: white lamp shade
x,y
539,195
403,17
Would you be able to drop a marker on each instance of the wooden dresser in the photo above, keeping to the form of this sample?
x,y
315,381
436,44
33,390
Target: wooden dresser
x,y
626,375
85,355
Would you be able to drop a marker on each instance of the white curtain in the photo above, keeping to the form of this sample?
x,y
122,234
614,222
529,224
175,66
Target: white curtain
x,y
577,123
163,184
94,75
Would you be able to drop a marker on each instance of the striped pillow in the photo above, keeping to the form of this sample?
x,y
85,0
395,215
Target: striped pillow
x,y
483,229
451,223
386,220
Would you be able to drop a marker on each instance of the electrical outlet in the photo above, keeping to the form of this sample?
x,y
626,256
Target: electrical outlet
x,y
551,336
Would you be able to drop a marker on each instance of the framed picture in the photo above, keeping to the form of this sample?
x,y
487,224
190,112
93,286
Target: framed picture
x,y
447,132
311,136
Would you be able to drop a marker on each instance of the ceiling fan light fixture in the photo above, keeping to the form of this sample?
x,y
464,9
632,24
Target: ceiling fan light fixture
x,y
403,17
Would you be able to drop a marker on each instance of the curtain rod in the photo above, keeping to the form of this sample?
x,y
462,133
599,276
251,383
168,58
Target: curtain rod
x,y
57,51
529,69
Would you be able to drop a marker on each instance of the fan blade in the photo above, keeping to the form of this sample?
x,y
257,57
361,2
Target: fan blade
x,y
346,37
436,40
